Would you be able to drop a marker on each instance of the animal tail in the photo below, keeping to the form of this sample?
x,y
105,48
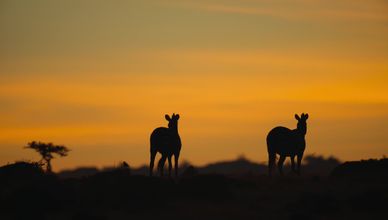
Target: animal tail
x,y
269,147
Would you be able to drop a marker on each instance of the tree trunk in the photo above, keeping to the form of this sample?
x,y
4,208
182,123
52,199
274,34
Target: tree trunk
x,y
48,166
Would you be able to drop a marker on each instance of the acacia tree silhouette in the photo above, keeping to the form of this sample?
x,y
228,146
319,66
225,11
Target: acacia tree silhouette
x,y
46,150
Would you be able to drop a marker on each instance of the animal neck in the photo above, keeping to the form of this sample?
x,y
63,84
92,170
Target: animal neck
x,y
301,131
174,129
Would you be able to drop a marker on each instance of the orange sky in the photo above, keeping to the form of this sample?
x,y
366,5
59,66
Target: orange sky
x,y
98,77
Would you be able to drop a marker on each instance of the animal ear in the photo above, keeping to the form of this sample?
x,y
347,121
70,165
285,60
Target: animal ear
x,y
177,116
297,117
306,116
167,117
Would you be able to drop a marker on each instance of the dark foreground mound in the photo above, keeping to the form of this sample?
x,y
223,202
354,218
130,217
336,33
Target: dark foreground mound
x,y
362,170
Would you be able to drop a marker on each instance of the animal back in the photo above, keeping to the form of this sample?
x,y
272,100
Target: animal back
x,y
160,135
281,140
164,141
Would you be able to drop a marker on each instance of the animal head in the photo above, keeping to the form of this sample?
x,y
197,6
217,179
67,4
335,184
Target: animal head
x,y
172,121
302,125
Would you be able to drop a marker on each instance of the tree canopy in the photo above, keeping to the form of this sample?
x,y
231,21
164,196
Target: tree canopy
x,y
46,150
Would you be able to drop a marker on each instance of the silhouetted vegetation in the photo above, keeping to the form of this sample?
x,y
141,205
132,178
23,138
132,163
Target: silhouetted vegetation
x,y
79,172
319,165
46,150
116,193
362,170
313,166
21,171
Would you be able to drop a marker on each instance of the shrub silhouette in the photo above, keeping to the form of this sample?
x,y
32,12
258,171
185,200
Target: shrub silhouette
x,y
190,171
78,172
286,142
371,169
319,165
46,150
238,167
167,142
20,172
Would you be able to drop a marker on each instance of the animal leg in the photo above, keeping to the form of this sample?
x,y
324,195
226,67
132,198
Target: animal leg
x,y
176,157
299,158
280,164
271,162
169,166
161,164
293,163
152,160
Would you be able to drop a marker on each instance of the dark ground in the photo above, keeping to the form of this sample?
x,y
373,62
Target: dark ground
x,y
28,193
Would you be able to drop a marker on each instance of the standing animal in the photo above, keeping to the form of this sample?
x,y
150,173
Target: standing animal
x,y
167,142
286,142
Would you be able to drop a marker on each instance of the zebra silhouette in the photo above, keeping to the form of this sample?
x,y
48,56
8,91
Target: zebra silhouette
x,y
286,142
167,142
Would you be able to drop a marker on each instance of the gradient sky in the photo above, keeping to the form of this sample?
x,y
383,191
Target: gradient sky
x,y
98,76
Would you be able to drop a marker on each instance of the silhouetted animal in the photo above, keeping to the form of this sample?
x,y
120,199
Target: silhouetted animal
x,y
167,142
286,142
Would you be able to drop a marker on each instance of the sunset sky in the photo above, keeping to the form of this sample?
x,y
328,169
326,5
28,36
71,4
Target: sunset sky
x,y
98,76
